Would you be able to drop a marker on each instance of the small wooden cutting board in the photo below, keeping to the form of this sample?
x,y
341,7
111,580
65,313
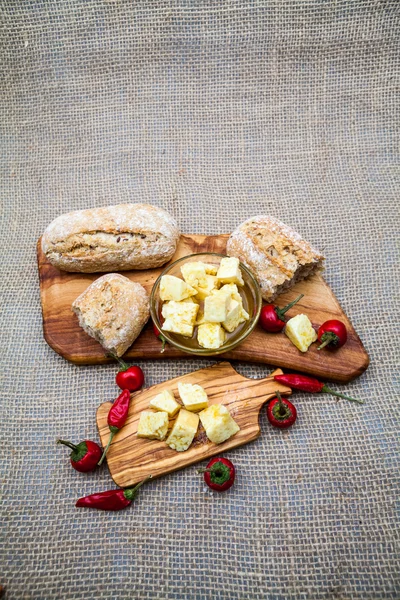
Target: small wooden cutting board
x,y
59,289
131,459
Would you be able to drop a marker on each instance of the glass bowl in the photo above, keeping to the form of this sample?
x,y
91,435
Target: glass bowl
x,y
252,303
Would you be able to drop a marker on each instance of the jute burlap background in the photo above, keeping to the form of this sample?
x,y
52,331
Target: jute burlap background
x,y
216,111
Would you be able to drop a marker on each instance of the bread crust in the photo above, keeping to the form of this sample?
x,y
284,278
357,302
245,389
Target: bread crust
x,y
276,254
113,238
113,310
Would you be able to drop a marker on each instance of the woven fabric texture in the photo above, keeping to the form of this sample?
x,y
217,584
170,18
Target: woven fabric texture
x,y
216,111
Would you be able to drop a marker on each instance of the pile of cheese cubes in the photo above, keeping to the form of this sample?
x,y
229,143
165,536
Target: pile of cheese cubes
x,y
216,419
214,286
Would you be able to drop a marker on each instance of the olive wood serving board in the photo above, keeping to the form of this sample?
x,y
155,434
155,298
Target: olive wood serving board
x,y
59,289
131,459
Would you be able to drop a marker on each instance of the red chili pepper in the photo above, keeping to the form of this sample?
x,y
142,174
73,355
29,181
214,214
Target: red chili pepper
x,y
309,384
332,334
112,499
272,318
219,474
117,417
160,336
281,413
129,378
84,456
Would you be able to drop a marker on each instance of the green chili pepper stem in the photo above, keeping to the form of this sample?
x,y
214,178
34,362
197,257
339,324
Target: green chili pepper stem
x,y
327,338
131,492
122,364
164,341
106,448
328,390
72,446
281,311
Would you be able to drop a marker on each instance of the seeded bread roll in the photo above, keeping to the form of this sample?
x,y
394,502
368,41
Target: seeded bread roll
x,y
277,256
113,310
115,238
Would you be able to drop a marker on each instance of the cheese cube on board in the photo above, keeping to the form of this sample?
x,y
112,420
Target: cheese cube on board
x,y
153,425
301,332
211,335
194,274
211,284
179,317
193,396
174,288
165,402
216,308
218,423
229,271
183,431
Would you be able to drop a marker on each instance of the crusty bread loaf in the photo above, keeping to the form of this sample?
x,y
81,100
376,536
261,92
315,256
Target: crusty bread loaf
x,y
114,238
277,255
113,310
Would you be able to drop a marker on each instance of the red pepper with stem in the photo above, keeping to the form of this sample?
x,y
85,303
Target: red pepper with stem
x,y
272,318
160,336
219,474
128,378
117,417
332,334
112,499
309,384
281,413
84,456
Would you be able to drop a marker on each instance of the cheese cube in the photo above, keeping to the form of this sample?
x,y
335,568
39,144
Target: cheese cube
x,y
179,317
211,284
234,316
200,318
194,274
191,300
210,269
210,335
183,431
300,332
218,423
165,402
193,396
216,308
174,288
229,271
152,425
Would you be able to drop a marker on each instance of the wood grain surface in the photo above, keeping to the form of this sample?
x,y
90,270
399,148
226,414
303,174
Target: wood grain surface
x,y
131,459
59,289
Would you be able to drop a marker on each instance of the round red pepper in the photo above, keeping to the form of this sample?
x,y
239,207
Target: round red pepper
x,y
117,417
219,474
281,413
332,334
160,336
129,378
112,499
272,318
84,456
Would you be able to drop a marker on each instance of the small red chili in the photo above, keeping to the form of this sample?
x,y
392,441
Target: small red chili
x,y
117,417
332,334
112,499
219,474
272,318
84,456
309,384
281,413
129,378
160,336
